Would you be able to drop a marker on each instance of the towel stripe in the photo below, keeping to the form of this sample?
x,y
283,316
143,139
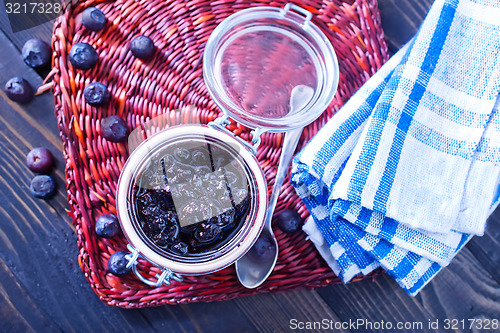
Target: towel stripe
x,y
428,66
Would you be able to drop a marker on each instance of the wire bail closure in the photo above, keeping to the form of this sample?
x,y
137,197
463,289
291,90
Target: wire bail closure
x,y
221,123
291,7
166,274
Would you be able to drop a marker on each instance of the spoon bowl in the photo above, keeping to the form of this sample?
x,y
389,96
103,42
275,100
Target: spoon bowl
x,y
251,269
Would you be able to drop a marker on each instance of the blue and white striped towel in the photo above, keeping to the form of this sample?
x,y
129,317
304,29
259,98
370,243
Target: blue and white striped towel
x,y
409,169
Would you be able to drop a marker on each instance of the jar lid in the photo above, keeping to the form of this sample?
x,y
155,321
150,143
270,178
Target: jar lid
x,y
257,59
192,199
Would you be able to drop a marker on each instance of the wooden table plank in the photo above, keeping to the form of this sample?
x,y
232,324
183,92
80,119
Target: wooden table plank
x,y
39,244
17,304
287,311
401,20
486,248
464,290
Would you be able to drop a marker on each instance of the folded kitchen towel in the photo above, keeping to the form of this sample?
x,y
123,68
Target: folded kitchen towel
x,y
409,169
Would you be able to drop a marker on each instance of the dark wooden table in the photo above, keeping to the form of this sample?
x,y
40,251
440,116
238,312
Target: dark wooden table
x,y
42,288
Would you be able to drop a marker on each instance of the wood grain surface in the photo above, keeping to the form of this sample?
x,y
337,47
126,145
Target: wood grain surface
x,y
42,288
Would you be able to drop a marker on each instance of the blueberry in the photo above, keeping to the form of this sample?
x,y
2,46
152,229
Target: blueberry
x,y
37,53
19,90
182,155
43,187
83,56
200,158
107,226
171,231
289,221
180,248
184,175
96,94
142,47
93,19
117,264
207,232
263,249
40,160
226,218
168,160
114,129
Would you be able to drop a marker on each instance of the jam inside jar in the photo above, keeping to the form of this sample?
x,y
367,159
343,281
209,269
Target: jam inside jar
x,y
191,197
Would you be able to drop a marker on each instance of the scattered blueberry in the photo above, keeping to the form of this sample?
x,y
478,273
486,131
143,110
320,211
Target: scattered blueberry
x,y
114,129
142,47
83,56
93,19
19,90
96,94
37,53
289,221
43,187
117,264
263,249
107,226
40,160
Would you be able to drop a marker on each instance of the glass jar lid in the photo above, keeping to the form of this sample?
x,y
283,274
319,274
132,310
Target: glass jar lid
x,y
192,199
271,68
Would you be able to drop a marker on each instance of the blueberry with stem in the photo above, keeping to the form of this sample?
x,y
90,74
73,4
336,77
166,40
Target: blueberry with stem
x,y
43,187
96,94
40,160
114,129
289,221
117,264
142,47
107,226
263,249
83,56
93,19
19,90
37,53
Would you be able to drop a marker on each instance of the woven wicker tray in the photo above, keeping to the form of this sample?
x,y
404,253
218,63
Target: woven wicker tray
x,y
141,91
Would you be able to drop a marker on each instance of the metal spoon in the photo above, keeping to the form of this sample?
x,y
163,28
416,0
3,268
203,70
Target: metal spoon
x,y
251,272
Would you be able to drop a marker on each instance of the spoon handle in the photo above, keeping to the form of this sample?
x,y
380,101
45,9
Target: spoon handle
x,y
291,140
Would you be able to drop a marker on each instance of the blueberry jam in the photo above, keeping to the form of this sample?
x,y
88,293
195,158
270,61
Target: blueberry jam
x,y
191,198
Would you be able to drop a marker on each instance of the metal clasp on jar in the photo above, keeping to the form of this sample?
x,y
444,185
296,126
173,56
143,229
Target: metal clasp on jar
x,y
221,123
164,278
289,8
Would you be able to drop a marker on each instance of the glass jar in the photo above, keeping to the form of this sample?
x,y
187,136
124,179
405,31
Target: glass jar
x,y
200,138
255,58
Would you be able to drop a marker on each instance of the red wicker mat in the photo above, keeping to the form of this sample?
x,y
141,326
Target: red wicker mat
x,y
142,90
